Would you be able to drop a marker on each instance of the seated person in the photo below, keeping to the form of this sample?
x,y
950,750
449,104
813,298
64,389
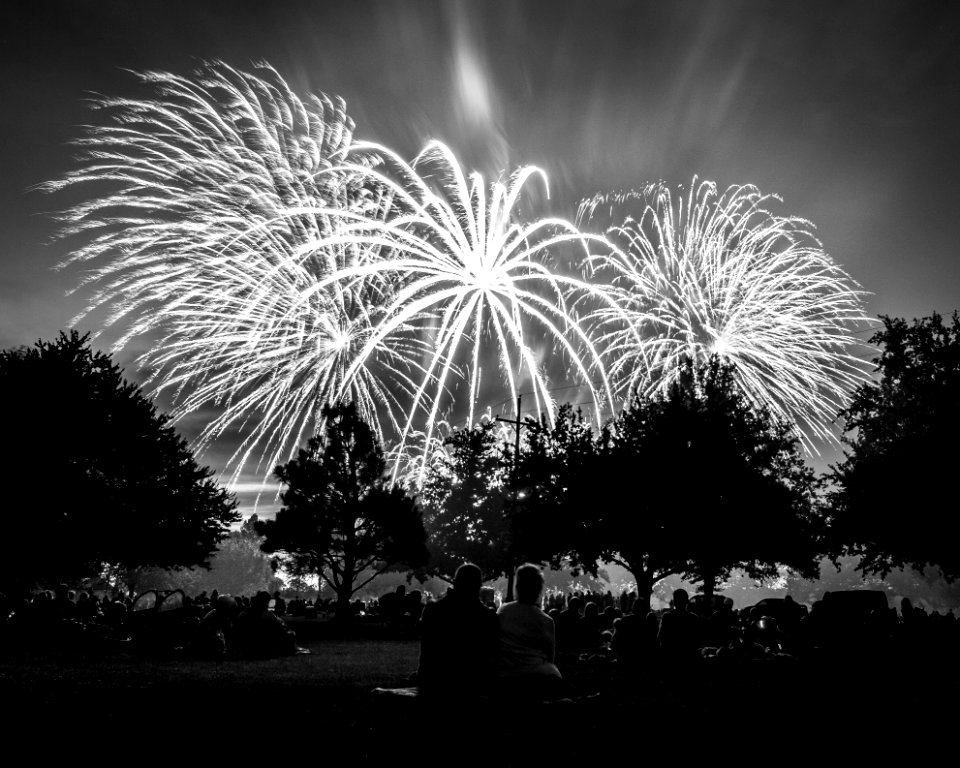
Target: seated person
x,y
458,639
63,605
528,641
213,632
589,628
260,632
680,630
629,635
568,625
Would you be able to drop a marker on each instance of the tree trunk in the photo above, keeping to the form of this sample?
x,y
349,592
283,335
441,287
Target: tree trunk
x,y
344,593
343,612
709,587
644,589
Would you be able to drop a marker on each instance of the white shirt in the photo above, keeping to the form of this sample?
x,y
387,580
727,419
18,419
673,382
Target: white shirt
x,y
527,641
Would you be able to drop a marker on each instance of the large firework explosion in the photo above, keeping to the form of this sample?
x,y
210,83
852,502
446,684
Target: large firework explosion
x,y
460,255
275,265
215,185
720,273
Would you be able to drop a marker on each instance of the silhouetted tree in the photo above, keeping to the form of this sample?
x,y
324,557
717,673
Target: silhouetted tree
x,y
464,497
555,480
892,504
98,477
341,515
696,482
482,506
238,567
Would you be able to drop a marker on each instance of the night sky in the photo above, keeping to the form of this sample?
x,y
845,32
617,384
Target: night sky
x,y
848,110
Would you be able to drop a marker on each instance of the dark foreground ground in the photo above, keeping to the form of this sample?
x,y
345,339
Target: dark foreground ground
x,y
322,705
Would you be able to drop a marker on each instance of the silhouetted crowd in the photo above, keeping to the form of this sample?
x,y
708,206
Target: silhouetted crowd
x,y
626,638
856,626
207,626
575,625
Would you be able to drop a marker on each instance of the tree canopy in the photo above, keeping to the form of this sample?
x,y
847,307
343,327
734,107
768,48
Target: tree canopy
x,y
693,482
892,504
341,515
464,499
483,506
99,477
238,567
552,514
697,482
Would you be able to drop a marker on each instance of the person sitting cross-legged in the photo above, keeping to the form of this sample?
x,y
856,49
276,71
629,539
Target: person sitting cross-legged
x,y
458,640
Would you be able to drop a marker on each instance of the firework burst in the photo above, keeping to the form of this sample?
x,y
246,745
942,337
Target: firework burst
x,y
719,273
460,255
275,265
214,183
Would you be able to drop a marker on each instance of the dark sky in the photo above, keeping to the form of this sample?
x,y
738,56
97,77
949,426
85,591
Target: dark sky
x,y
849,110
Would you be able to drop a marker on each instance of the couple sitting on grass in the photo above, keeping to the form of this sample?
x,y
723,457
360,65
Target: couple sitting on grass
x,y
466,649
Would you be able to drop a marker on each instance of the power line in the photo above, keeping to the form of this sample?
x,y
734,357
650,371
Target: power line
x,y
533,392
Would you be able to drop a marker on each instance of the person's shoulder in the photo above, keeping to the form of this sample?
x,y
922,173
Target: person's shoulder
x,y
488,616
434,609
543,616
510,609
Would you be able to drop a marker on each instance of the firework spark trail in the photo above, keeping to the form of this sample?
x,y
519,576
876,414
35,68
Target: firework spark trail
x,y
459,252
721,274
275,265
215,183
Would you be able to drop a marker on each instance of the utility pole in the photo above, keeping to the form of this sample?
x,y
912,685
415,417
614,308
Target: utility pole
x,y
518,424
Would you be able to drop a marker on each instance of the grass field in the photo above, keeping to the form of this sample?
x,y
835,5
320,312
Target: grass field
x,y
324,701
326,683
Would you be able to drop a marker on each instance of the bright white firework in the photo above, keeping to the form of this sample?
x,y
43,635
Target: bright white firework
x,y
274,265
459,251
214,184
721,274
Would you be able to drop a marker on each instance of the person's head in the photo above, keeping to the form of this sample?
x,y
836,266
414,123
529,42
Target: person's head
x,y
225,604
529,583
680,599
261,601
467,581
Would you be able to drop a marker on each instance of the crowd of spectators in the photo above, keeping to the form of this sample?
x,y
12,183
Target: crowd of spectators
x,y
843,624
587,623
210,626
